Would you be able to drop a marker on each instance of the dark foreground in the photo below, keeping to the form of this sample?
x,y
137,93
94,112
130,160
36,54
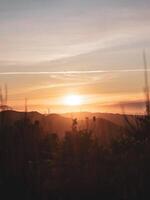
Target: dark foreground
x,y
38,165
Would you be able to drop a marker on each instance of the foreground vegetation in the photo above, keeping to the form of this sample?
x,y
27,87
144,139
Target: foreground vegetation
x,y
37,165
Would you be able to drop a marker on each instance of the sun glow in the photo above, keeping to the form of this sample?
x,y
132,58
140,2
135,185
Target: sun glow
x,y
73,100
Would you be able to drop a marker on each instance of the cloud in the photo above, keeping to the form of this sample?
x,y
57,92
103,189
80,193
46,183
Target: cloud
x,y
71,72
48,35
134,106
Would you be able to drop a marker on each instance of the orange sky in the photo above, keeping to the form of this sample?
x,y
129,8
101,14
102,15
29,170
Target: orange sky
x,y
51,49
103,91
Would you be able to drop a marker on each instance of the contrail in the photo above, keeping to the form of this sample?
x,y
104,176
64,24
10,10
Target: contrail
x,y
72,72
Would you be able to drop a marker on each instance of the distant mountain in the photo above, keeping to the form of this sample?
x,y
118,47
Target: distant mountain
x,y
117,119
106,126
103,129
52,123
13,116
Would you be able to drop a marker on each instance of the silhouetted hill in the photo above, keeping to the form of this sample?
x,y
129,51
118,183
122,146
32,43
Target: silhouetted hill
x,y
106,125
117,119
12,116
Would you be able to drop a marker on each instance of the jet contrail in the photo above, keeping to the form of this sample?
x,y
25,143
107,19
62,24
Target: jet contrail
x,y
72,72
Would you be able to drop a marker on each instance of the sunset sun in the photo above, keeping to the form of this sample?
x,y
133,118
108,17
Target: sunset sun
x,y
73,100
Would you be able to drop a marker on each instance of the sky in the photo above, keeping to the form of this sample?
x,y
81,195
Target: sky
x,y
53,48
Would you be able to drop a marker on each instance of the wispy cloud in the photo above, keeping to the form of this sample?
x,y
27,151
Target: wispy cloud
x,y
71,72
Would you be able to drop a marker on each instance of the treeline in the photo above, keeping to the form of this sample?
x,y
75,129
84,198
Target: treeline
x,y
39,165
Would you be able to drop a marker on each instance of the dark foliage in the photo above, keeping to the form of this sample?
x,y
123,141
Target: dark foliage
x,y
37,165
